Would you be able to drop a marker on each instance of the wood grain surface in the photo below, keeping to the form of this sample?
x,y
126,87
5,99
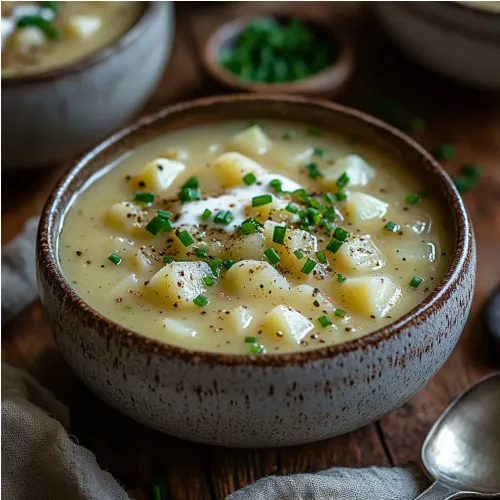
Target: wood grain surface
x,y
138,456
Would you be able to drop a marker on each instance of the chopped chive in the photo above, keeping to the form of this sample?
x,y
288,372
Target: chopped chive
x,y
314,203
263,199
313,170
313,216
192,182
185,238
392,226
164,214
341,278
189,194
201,301
413,199
314,132
445,152
302,215
324,321
472,171
279,234
302,195
341,234
330,214
157,224
305,227
416,281
463,183
277,185
339,313
209,281
148,198
250,340
308,266
327,225
272,256
215,266
47,27
334,245
115,259
200,251
341,195
319,152
330,198
54,6
298,254
343,180
257,349
292,208
250,226
224,217
228,263
249,179
321,257
167,259
206,214
287,136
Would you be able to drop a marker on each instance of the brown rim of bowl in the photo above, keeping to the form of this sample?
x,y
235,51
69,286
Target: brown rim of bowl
x,y
103,326
340,70
470,8
92,59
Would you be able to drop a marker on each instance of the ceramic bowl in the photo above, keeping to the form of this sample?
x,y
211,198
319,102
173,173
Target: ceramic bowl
x,y
454,39
51,116
252,400
325,84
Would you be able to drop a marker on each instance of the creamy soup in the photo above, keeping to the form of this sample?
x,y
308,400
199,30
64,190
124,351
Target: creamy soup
x,y
255,238
41,36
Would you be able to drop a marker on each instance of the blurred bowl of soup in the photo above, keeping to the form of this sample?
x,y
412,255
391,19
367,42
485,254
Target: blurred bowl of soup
x,y
73,72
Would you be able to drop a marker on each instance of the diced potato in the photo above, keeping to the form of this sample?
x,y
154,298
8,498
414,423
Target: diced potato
x,y
251,246
272,211
358,171
177,328
361,207
254,279
236,320
82,26
231,167
126,286
251,142
176,249
179,283
286,325
293,156
27,39
309,301
125,216
413,252
368,295
177,154
358,254
140,262
158,175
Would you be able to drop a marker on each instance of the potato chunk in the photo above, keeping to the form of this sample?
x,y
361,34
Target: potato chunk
x,y
413,252
369,295
250,246
126,217
358,254
231,167
251,142
82,26
358,171
126,286
254,279
309,301
236,320
274,210
293,156
179,329
286,325
158,175
179,283
362,207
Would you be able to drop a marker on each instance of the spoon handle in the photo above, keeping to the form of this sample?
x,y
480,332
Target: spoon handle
x,y
438,491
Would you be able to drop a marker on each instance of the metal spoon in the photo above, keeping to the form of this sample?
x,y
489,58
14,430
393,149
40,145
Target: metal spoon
x,y
462,450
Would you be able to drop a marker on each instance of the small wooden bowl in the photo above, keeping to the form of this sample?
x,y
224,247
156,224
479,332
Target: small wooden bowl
x,y
326,83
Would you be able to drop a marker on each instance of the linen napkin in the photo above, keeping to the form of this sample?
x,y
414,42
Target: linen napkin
x,y
41,462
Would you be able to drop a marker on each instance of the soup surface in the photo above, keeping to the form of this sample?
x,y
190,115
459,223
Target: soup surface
x,y
41,36
241,238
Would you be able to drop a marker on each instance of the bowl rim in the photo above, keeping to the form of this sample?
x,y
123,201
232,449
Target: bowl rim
x,y
49,267
93,58
342,68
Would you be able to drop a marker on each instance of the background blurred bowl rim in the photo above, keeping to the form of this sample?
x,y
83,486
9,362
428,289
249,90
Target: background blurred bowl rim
x,y
94,58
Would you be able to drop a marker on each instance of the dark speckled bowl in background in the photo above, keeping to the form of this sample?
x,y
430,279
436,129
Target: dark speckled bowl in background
x,y
266,400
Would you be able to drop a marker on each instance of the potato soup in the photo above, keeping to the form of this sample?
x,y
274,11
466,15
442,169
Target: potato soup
x,y
42,36
254,238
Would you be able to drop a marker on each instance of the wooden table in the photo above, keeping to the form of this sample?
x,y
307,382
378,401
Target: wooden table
x,y
137,455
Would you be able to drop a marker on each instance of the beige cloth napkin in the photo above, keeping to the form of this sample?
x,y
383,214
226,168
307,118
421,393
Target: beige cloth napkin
x,y
40,461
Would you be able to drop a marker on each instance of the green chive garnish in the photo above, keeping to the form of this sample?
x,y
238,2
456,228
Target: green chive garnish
x,y
445,152
250,226
272,256
192,182
148,198
277,185
313,170
327,225
321,257
54,6
343,180
330,198
341,195
257,349
392,227
341,234
249,179
298,254
228,263
167,259
301,195
189,194
157,224
339,313
263,199
224,217
334,245
286,136
314,203
308,266
302,215
472,171
215,266
206,214
314,132
413,199
341,278
292,208
330,214
185,238
279,234
318,152
416,281
47,27
115,259
324,321
313,216
209,281
250,340
200,251
164,214
201,301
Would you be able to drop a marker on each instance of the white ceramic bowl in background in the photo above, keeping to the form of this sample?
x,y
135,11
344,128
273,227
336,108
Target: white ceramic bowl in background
x,y
51,116
454,39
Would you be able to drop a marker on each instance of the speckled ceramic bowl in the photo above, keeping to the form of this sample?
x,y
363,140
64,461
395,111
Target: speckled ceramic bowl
x,y
275,399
